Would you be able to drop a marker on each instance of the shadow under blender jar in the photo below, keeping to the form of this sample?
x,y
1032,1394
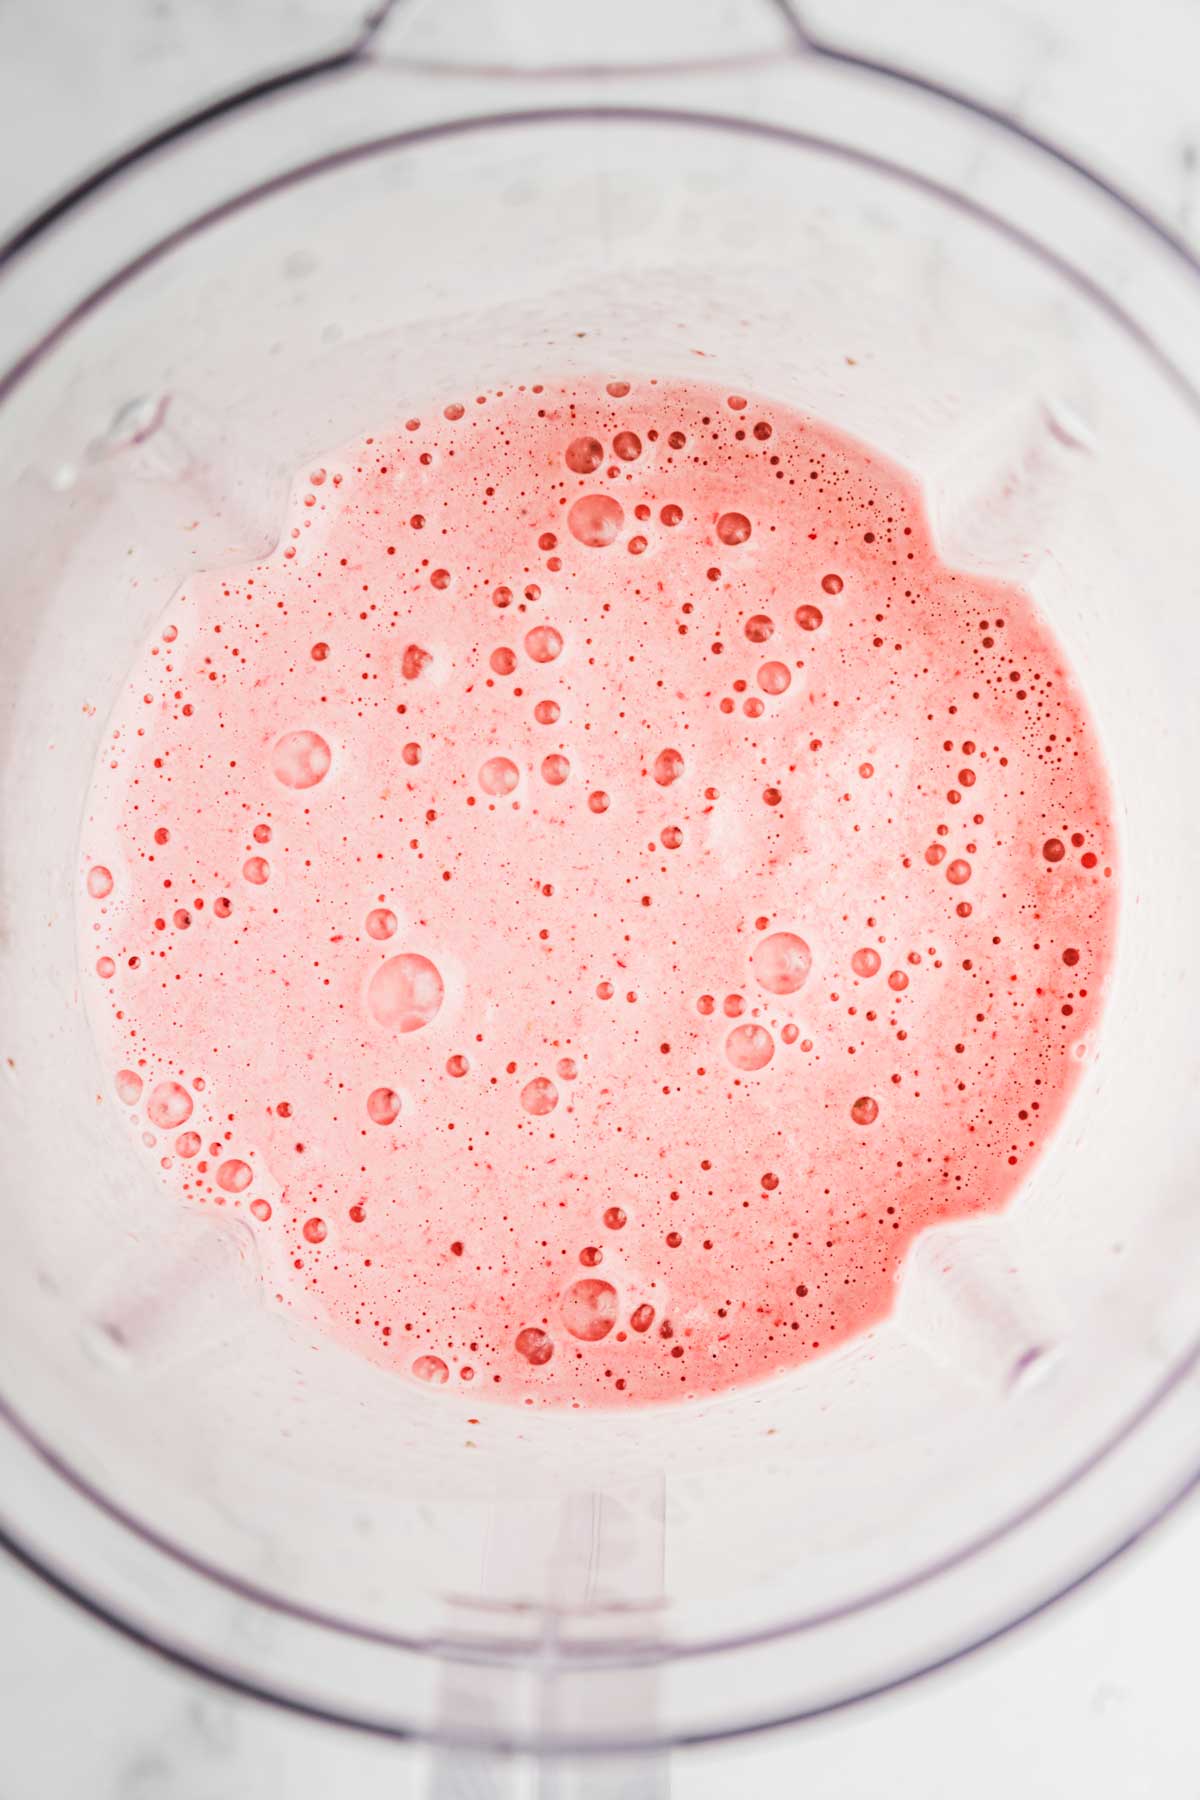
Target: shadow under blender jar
x,y
265,1505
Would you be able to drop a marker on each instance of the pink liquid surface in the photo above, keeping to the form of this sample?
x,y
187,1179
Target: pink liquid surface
x,y
596,891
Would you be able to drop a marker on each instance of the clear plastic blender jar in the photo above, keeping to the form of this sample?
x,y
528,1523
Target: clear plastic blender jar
x,y
471,194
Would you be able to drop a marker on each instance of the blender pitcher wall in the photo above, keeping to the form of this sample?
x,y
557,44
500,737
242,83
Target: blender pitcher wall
x,y
160,438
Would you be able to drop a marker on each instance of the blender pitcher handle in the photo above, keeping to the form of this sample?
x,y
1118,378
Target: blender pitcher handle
x,y
606,1553
485,1775
568,38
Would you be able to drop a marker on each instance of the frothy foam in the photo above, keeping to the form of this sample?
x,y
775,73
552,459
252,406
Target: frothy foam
x,y
604,838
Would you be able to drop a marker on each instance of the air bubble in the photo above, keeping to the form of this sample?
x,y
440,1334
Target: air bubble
x,y
234,1175
668,767
774,678
555,769
405,993
539,1096
503,661
99,882
781,962
543,643
627,445
431,1369
865,962
498,775
865,1111
169,1106
749,1046
733,528
256,870
809,618
129,1087
381,923
301,759
584,455
595,520
958,871
383,1106
589,1309
759,628
535,1345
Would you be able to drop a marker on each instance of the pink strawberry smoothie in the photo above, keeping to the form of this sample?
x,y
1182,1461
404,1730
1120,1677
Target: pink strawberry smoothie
x,y
596,891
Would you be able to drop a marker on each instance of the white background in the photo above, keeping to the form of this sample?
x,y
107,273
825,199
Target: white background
x,y
1099,1697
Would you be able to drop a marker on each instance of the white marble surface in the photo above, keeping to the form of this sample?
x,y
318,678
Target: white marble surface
x,y
1096,1698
